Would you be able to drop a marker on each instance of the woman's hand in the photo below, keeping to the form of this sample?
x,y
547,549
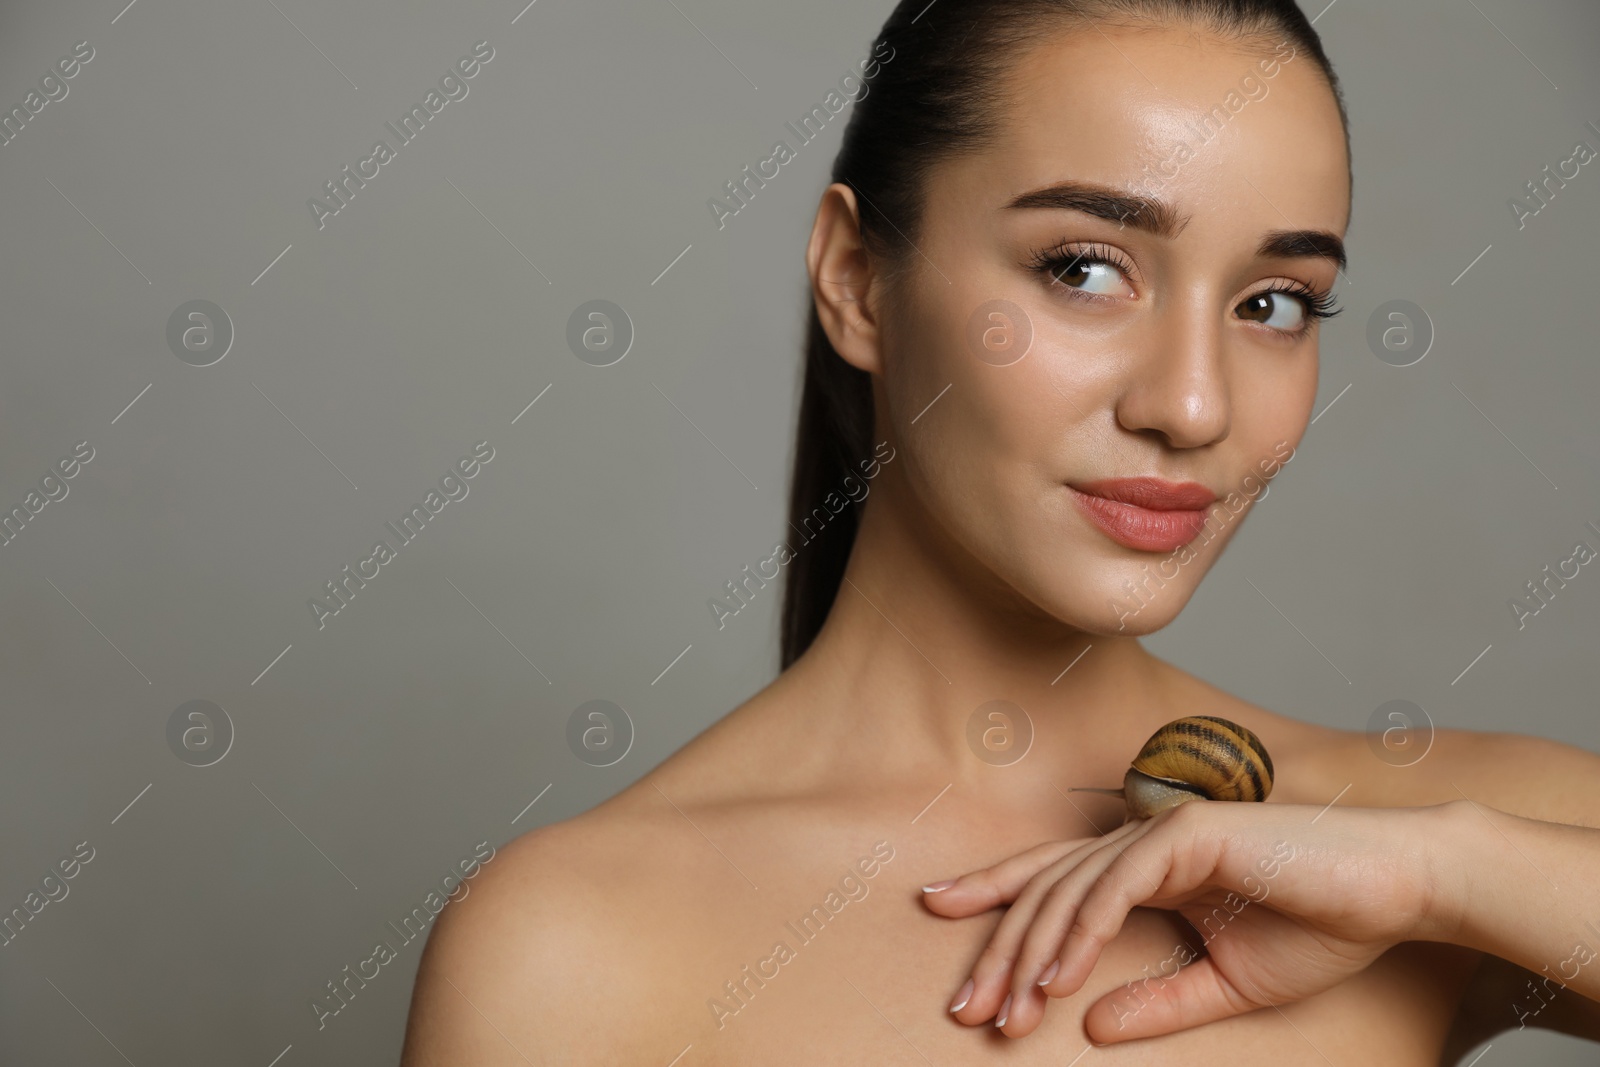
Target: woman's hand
x,y
1290,900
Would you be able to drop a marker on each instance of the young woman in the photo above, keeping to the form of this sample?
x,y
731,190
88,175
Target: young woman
x,y
1066,289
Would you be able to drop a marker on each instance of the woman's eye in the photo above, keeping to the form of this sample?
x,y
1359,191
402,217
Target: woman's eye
x,y
1281,311
1091,276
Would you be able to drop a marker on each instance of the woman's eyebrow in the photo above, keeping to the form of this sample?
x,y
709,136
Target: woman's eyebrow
x,y
1162,219
1105,202
1292,244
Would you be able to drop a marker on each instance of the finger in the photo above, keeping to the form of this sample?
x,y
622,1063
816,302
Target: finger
x,y
983,996
997,973
1045,936
1099,915
1198,994
1027,995
1022,1012
978,891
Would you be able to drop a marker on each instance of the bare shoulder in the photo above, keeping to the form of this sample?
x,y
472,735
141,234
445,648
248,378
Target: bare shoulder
x,y
566,949
560,936
1521,774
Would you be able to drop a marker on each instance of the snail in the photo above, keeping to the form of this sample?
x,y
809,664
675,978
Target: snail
x,y
1198,757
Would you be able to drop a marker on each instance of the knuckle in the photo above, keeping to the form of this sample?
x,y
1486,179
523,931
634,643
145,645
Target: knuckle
x,y
1190,813
1090,926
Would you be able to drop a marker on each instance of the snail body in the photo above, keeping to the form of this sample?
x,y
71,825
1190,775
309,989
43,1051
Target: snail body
x,y
1198,757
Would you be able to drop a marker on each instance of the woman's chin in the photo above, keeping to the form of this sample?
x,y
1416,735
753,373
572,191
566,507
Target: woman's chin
x,y
1140,623
1131,609
1114,612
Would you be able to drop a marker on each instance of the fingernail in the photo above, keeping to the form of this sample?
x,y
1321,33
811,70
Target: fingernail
x,y
939,887
1005,1008
962,997
1044,979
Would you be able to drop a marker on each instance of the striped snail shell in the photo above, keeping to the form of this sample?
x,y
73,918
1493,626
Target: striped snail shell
x,y
1197,757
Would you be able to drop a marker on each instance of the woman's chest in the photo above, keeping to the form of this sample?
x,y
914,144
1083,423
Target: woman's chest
x,y
860,972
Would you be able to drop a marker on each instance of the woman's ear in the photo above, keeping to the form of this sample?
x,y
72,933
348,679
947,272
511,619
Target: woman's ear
x,y
841,277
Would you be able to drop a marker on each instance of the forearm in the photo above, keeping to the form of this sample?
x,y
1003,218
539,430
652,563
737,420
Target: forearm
x,y
1521,889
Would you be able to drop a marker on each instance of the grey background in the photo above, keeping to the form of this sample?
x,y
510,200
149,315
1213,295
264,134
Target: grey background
x,y
373,354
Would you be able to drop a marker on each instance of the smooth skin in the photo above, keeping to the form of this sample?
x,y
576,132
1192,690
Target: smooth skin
x,y
613,937
1292,899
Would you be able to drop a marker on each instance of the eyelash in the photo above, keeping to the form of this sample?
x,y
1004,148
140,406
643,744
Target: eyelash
x,y
1051,261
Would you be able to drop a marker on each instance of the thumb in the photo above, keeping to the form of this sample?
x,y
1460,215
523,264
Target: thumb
x,y
1155,1005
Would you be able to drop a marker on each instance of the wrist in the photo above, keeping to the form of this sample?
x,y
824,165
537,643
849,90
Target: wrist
x,y
1449,833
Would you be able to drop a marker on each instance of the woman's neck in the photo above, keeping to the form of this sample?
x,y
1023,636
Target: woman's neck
x,y
919,639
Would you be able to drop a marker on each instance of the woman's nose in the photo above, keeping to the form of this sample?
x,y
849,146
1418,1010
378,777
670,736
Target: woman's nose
x,y
1176,386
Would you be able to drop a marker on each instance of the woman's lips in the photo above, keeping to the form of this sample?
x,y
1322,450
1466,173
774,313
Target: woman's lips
x,y
1146,514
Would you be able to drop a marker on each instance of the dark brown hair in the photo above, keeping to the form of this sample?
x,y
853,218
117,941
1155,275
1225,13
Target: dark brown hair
x,y
940,90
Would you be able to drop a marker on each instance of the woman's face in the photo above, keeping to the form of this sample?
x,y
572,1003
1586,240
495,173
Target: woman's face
x,y
1151,343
